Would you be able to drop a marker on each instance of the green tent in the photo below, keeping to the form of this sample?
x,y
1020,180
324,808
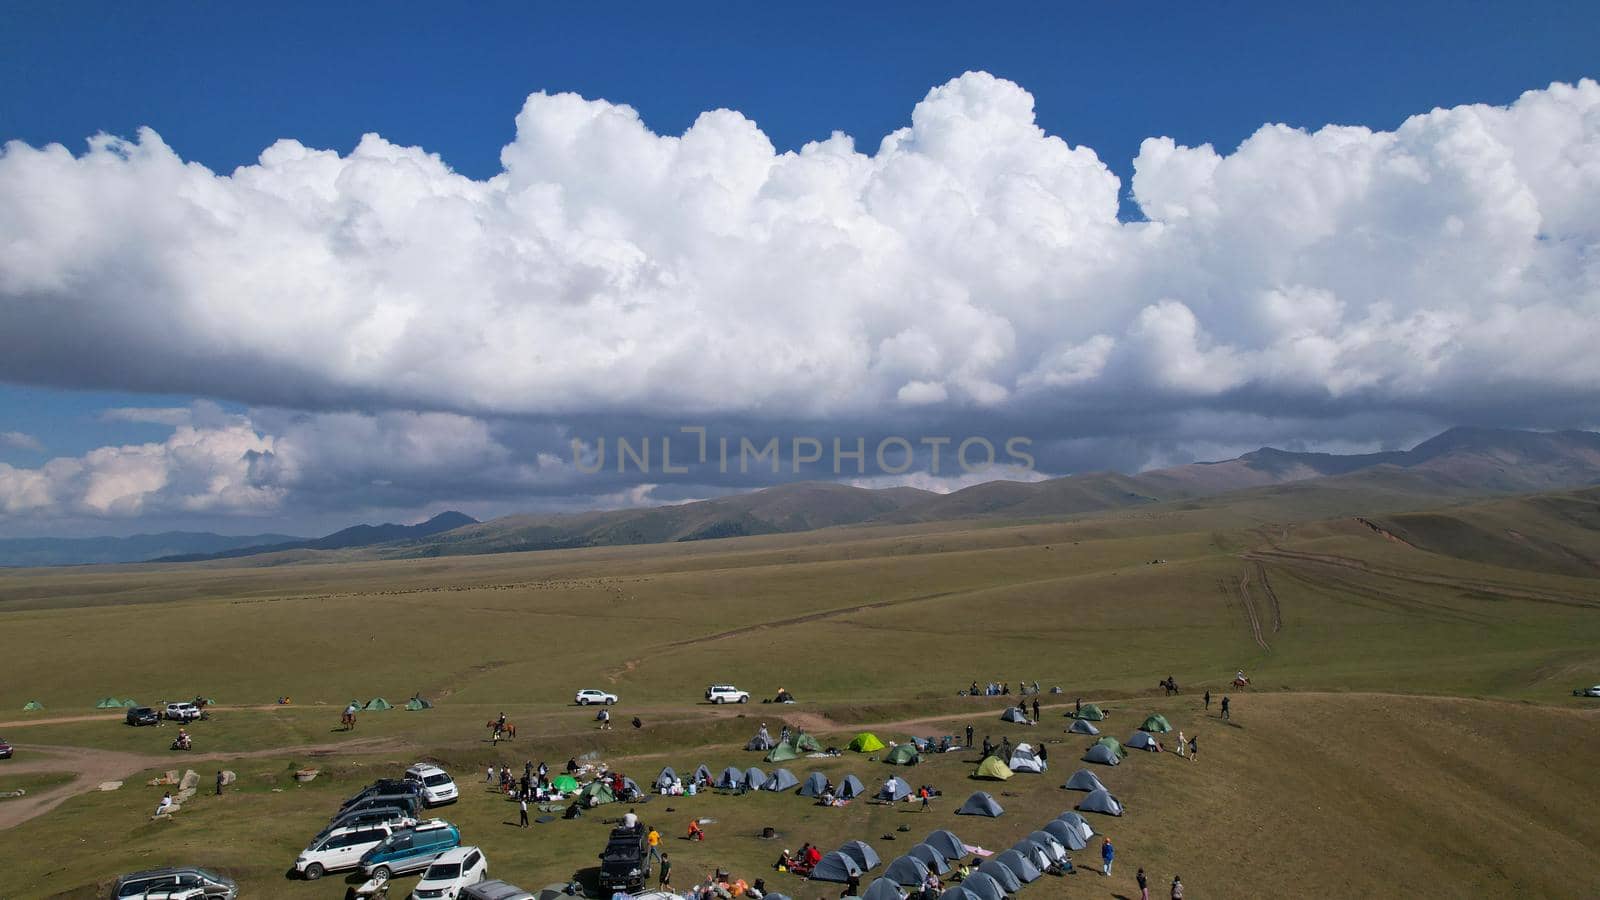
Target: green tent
x,y
866,742
209,701
377,703
566,784
782,753
1156,723
1091,712
1114,744
992,768
108,703
32,705
130,703
599,790
904,755
805,743
416,703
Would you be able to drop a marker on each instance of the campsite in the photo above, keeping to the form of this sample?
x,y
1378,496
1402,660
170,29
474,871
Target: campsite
x,y
1392,681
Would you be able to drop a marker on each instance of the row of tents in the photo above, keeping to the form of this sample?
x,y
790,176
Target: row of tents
x,y
799,744
378,704
114,703
1003,874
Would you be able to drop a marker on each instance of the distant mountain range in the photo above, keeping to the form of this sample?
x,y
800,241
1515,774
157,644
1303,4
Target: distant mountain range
x,y
1459,464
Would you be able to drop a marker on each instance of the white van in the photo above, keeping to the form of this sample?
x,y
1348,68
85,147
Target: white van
x,y
451,873
342,848
437,786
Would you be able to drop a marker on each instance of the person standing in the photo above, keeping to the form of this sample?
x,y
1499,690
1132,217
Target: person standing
x,y
1077,708
1194,747
969,731
1183,744
665,879
654,840
1208,701
1177,887
1144,884
1107,854
522,812
1226,710
852,887
1005,749
220,782
1044,756
1036,707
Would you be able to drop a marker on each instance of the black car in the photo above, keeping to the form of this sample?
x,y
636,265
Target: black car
x,y
5,749
381,788
625,864
142,715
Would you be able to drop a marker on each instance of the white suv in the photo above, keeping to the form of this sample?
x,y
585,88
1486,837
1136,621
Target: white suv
x,y
450,873
342,848
590,695
726,693
182,712
437,786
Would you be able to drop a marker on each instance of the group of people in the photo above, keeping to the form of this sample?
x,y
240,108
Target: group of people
x,y
534,784
799,863
720,885
1003,689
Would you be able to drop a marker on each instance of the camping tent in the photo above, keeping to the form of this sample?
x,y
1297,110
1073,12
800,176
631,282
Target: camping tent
x,y
837,867
1077,821
1143,740
947,843
780,780
980,804
1013,714
907,870
1113,743
1025,871
32,705
1007,879
782,753
416,703
377,703
931,858
805,743
1156,723
1083,780
1082,726
815,783
981,886
866,742
862,853
1050,844
1102,754
1033,853
1070,835
754,778
108,703
903,755
599,790
883,889
992,768
1091,712
702,774
850,788
129,702
961,892
1023,759
1101,801
895,789
761,741
630,788
566,784
730,778
666,779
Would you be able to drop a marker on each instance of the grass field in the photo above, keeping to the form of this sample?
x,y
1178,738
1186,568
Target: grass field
x,y
1410,729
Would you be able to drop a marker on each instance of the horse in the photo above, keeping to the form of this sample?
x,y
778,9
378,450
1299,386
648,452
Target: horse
x,y
1240,681
348,721
507,731
1169,684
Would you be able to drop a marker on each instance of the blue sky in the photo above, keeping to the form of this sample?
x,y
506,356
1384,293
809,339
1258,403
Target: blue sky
x,y
220,85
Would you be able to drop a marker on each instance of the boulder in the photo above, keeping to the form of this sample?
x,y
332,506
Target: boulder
x,y
191,780
228,777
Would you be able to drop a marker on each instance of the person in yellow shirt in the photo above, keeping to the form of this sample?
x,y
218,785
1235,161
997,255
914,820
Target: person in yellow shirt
x,y
654,840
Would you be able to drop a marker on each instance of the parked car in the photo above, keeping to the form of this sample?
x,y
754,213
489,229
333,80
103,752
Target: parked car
x,y
452,871
494,889
409,804
590,695
410,849
437,787
1587,692
342,848
142,715
383,787
726,693
625,863
5,749
175,882
182,711
394,815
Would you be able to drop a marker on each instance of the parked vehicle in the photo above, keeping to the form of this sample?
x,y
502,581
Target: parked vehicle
x,y
350,818
437,787
452,871
625,863
410,849
494,889
179,881
381,787
1587,692
726,693
142,715
182,711
342,848
590,695
409,804
5,749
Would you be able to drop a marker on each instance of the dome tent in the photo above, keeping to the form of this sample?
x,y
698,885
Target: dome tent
x,y
1143,740
980,804
780,780
754,778
1069,835
376,704
566,784
1113,743
418,703
1076,820
1025,871
666,778
907,870
982,886
931,858
1103,755
32,706
1015,715
1101,801
1091,712
946,842
1084,780
1082,726
1002,875
1156,723
1050,844
866,742
993,769
815,783
836,867
730,778
782,752
894,790
883,889
903,755
702,774
850,787
1023,759
862,853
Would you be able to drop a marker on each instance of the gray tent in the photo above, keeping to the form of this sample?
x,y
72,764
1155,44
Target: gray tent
x,y
1082,726
630,788
961,892
1070,835
980,804
702,773
982,886
851,788
1013,714
907,870
883,889
931,858
1023,759
815,783
862,853
730,778
1101,801
1050,844
780,780
1084,780
1143,740
1003,875
1026,871
1077,821
754,778
1102,754
666,779
1033,853
837,867
895,789
762,741
946,842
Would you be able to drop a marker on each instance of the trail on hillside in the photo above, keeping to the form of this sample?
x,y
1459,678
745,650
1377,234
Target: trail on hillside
x,y
1324,560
